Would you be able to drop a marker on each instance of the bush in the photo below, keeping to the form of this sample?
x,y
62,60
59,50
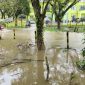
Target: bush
x,y
81,64
83,52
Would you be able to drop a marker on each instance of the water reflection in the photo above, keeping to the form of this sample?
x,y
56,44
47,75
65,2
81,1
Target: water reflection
x,y
6,77
62,62
61,71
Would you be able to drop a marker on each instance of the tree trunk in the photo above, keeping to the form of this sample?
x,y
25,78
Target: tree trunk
x,y
52,18
39,34
27,18
58,24
57,19
15,21
21,22
2,15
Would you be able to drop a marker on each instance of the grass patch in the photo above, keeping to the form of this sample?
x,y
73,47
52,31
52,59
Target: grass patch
x,y
19,25
51,28
64,28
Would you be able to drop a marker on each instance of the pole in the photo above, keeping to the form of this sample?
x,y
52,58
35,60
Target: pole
x,y
0,37
0,34
14,33
35,37
67,34
48,70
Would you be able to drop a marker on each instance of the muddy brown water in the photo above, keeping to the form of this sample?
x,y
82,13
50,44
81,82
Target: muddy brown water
x,y
22,64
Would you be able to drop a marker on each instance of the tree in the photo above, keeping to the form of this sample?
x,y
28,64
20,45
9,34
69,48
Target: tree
x,y
40,9
6,8
14,8
3,8
60,7
26,8
20,7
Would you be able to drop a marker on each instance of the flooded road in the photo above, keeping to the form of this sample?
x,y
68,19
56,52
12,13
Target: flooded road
x,y
22,64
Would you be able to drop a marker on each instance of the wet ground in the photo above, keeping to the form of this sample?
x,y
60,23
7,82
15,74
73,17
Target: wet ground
x,y
22,64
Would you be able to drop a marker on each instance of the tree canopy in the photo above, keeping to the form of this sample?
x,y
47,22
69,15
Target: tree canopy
x,y
60,7
14,7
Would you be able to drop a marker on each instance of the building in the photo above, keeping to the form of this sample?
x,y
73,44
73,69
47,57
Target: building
x,y
77,11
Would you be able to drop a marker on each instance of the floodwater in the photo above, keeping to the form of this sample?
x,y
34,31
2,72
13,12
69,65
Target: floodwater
x,y
22,64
